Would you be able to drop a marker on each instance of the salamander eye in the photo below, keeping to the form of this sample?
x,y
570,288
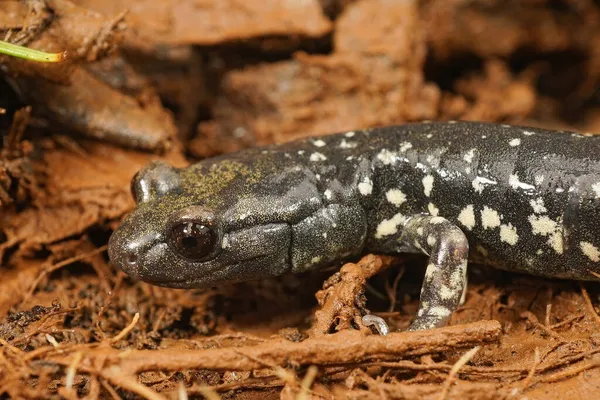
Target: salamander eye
x,y
193,240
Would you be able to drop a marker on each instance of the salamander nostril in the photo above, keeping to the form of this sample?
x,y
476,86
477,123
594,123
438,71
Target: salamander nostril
x,y
131,259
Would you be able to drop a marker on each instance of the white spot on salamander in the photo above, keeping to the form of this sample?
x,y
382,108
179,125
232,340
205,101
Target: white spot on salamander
x,y
544,226
405,146
325,235
590,251
386,157
596,189
528,133
515,142
446,293
427,185
319,143
515,183
432,160
314,157
467,217
489,218
225,242
300,152
439,311
437,220
433,210
468,157
559,190
459,276
431,240
538,179
479,183
420,166
315,260
365,187
328,194
538,205
347,145
395,196
430,272
423,307
508,234
389,226
349,134
429,135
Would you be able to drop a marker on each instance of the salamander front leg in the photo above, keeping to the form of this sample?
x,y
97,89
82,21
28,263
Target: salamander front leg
x,y
446,276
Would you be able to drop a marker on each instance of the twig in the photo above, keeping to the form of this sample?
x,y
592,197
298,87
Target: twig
x,y
209,393
393,290
128,382
61,264
536,362
72,370
588,302
14,349
455,368
103,309
346,347
567,321
307,382
532,319
111,390
548,314
572,371
127,329
182,392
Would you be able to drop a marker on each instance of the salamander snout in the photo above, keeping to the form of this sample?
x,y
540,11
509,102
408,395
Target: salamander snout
x,y
128,254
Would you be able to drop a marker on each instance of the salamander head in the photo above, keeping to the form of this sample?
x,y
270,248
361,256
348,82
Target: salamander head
x,y
189,228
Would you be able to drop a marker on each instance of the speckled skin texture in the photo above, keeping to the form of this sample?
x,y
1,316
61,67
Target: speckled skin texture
x,y
516,198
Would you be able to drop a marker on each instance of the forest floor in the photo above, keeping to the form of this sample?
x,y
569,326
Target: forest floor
x,y
181,80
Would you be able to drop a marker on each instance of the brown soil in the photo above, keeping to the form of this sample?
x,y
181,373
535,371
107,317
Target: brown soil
x,y
185,79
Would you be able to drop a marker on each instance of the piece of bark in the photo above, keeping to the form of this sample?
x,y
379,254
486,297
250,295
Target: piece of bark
x,y
213,22
92,107
69,94
365,82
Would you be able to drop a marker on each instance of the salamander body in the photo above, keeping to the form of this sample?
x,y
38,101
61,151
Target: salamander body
x,y
516,198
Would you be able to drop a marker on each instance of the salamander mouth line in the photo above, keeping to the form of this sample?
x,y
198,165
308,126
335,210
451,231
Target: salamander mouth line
x,y
187,282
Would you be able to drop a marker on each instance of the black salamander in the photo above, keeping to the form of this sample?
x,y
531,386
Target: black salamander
x,y
516,198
